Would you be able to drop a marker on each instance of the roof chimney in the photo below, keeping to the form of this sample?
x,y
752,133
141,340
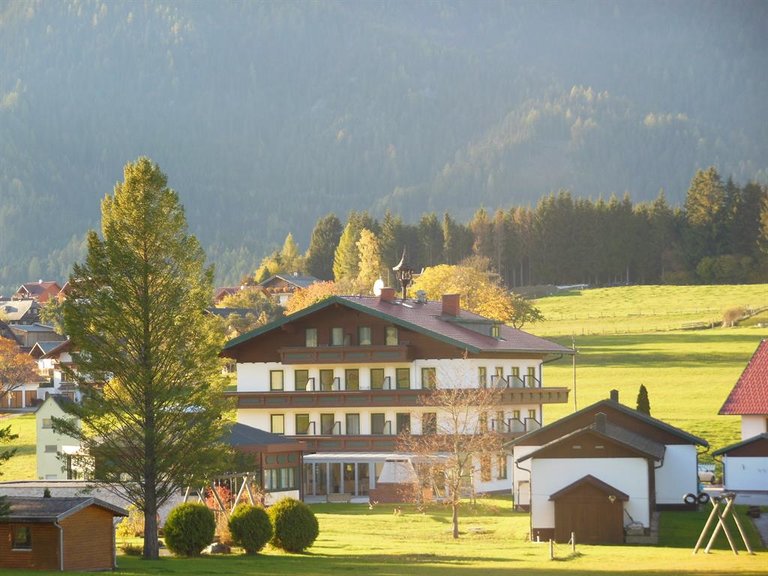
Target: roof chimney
x,y
600,420
614,395
451,304
387,294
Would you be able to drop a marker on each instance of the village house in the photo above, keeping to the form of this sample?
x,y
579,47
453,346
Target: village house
x,y
59,534
55,451
745,463
20,311
601,471
348,374
39,291
282,286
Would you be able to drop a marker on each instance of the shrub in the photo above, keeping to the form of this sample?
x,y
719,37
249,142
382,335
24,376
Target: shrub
x,y
189,528
133,525
250,527
294,525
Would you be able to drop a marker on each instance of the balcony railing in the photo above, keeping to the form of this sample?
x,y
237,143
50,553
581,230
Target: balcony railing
x,y
344,354
514,381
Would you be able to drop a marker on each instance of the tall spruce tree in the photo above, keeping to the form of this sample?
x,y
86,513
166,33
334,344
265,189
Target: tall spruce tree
x,y
145,349
643,403
322,246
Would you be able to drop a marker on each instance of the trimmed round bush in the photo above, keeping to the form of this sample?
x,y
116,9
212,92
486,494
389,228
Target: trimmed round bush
x,y
189,528
294,525
250,527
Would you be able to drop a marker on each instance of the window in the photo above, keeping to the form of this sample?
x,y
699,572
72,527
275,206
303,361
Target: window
x,y
22,538
277,423
47,423
364,335
495,331
377,378
499,375
532,414
310,337
377,423
502,467
327,423
280,479
302,423
326,380
352,379
515,414
353,423
483,421
429,378
403,378
485,468
337,337
515,378
531,376
482,376
301,378
501,425
275,379
403,422
391,336
429,423
50,448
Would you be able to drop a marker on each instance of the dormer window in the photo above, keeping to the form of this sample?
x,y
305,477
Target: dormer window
x,y
496,331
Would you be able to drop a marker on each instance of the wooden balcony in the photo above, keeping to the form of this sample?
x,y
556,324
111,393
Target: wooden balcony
x,y
380,398
345,354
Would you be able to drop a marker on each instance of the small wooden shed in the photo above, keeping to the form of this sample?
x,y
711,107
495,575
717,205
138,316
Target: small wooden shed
x,y
592,509
59,534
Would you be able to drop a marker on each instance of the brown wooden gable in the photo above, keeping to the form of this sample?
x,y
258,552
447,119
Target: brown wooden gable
x,y
589,486
622,417
755,447
588,444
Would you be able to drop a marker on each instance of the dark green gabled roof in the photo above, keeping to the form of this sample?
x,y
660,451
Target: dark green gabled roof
x,y
426,318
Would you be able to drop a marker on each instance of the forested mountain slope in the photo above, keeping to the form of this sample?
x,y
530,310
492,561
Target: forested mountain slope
x,y
268,115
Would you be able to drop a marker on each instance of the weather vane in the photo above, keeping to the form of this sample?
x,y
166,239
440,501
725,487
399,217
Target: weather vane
x,y
404,274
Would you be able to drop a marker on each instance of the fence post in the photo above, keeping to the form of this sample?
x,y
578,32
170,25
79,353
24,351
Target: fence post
x,y
551,549
573,542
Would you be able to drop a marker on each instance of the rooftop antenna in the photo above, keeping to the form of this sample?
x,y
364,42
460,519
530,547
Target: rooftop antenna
x,y
404,274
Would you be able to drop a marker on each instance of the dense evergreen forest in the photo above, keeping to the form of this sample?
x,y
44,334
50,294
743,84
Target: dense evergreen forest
x,y
719,236
266,116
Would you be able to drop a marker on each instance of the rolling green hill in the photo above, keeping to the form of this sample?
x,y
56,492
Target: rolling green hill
x,y
629,336
268,115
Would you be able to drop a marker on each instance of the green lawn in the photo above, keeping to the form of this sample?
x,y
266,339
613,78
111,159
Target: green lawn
x,y
356,540
641,309
23,465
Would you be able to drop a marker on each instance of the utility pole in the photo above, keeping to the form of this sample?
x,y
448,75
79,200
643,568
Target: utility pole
x,y
575,401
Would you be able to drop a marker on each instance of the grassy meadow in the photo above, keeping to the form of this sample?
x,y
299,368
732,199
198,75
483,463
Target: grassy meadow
x,y
23,465
688,373
356,540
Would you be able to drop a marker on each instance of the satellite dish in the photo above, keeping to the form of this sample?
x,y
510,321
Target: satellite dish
x,y
377,286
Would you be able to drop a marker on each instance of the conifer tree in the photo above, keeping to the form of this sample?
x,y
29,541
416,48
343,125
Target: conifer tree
x,y
643,403
145,349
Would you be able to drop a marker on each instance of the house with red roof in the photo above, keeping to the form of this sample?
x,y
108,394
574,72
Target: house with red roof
x,y
745,463
40,291
348,374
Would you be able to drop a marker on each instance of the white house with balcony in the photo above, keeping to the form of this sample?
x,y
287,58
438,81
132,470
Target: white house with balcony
x,y
348,374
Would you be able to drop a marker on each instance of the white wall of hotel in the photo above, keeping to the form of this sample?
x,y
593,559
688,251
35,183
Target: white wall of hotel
x,y
255,377
745,473
753,425
630,475
51,446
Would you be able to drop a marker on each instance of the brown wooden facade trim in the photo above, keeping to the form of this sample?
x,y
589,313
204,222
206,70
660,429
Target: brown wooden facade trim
x,y
360,443
378,398
344,354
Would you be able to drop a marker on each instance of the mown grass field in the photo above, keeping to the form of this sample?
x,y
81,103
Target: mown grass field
x,y
688,373
23,465
356,540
